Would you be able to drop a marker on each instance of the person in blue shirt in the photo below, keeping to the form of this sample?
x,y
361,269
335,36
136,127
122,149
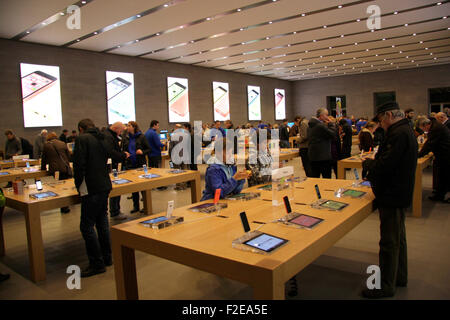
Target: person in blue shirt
x,y
154,141
360,124
262,125
220,175
215,131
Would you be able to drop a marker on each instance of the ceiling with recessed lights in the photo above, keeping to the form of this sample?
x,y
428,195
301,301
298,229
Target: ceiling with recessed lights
x,y
284,39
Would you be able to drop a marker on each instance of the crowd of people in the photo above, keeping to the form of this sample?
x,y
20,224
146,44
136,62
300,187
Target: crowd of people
x,y
322,141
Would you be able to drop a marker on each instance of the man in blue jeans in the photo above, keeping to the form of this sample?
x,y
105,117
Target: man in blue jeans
x,y
93,184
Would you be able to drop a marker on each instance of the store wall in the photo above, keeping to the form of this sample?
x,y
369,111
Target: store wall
x,y
83,87
411,88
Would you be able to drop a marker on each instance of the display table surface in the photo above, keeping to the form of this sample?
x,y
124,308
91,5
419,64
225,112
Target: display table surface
x,y
67,195
204,241
21,174
4,164
422,163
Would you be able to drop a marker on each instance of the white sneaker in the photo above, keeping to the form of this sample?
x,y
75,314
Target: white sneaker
x,y
120,216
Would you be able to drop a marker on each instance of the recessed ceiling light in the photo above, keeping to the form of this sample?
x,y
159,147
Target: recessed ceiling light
x,y
414,34
354,58
407,57
314,40
393,46
339,7
137,40
208,19
356,43
334,60
367,49
78,40
400,51
28,31
444,17
321,56
238,10
330,47
299,59
181,27
406,24
267,38
426,48
431,53
383,39
61,13
364,62
242,29
158,34
324,26
44,23
372,30
138,16
358,20
118,46
376,55
435,58
396,12
421,42
192,41
343,52
303,14
295,32
83,2
439,3
270,22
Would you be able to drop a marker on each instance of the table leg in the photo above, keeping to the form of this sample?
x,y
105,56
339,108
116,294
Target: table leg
x,y
266,290
148,209
417,195
35,244
125,272
196,192
2,238
341,170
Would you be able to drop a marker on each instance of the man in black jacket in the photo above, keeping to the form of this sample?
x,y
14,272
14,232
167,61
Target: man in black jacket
x,y
320,134
346,135
112,140
392,174
284,135
93,183
438,142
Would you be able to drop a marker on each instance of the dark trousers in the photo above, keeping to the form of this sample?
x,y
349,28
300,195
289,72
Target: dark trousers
x,y
94,214
135,196
393,250
443,178
114,206
155,161
321,168
305,161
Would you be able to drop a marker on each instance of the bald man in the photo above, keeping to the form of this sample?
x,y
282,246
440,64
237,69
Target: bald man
x,y
113,139
442,118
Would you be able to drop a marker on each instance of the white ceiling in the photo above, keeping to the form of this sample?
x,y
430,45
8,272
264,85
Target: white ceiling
x,y
263,37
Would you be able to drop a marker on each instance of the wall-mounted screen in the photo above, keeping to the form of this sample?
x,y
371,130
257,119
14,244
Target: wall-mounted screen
x,y
280,104
41,95
254,103
120,96
177,91
221,101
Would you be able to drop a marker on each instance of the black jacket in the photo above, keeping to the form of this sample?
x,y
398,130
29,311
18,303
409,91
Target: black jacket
x,y
141,143
438,142
113,143
346,147
393,171
90,161
319,137
284,133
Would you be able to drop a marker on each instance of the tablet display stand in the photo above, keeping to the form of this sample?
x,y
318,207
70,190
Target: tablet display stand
x,y
239,243
359,184
282,185
164,224
318,205
340,193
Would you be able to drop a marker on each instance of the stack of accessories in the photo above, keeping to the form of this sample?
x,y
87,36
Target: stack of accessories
x,y
43,195
209,207
297,179
329,205
300,220
267,187
4,173
343,192
149,176
244,196
258,242
161,222
120,181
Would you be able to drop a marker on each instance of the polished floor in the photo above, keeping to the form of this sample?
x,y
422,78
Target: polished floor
x,y
340,273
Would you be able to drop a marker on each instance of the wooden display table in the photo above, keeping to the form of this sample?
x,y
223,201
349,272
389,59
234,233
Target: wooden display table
x,y
422,163
204,241
68,195
4,164
20,174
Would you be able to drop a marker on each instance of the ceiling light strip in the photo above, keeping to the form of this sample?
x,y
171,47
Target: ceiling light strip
x,y
123,22
50,20
295,32
177,28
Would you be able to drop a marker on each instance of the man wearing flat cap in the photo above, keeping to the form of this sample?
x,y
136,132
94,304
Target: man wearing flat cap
x,y
391,174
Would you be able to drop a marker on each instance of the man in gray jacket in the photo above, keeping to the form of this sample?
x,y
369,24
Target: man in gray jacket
x,y
13,146
319,149
39,144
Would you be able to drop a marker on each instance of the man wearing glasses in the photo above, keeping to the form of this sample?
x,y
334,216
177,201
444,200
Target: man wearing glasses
x,y
391,174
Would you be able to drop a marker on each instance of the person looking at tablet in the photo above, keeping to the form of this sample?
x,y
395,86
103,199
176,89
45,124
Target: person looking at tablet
x,y
391,175
137,146
93,184
220,175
